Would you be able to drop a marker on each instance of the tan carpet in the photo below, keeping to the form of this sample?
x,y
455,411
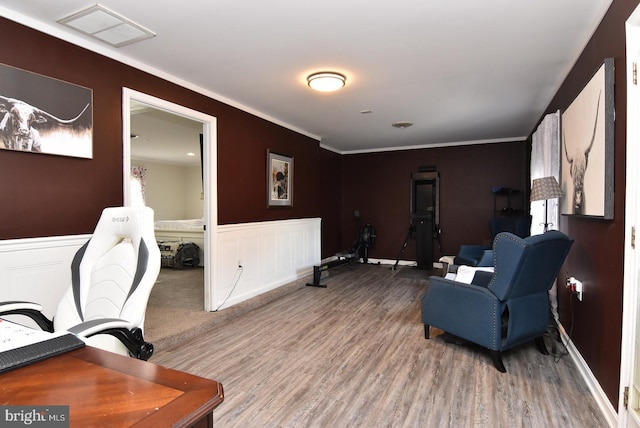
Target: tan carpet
x,y
175,311
176,304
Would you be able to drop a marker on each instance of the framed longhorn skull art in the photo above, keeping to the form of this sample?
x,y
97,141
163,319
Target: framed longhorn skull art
x,y
39,114
587,132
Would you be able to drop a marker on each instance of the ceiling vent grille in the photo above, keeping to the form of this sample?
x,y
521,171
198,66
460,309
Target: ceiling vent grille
x,y
107,26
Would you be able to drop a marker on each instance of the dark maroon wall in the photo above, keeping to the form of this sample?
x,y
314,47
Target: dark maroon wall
x,y
378,185
46,195
330,199
597,254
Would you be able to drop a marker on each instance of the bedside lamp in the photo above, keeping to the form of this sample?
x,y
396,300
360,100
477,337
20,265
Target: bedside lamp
x,y
544,189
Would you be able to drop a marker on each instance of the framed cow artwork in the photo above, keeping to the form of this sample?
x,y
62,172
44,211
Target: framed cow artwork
x,y
39,114
587,144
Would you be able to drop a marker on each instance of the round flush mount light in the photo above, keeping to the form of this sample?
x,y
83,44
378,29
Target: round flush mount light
x,y
326,81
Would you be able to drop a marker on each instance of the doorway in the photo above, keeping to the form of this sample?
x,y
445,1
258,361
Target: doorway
x,y
133,100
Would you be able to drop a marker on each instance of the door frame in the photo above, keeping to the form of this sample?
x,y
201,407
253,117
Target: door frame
x,y
209,166
632,209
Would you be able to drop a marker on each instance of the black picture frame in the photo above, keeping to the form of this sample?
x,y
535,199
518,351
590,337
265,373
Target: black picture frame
x,y
279,180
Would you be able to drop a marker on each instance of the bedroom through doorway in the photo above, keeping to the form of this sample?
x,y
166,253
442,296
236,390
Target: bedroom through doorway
x,y
167,171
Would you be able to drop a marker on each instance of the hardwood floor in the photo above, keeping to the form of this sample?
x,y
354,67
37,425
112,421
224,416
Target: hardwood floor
x,y
354,354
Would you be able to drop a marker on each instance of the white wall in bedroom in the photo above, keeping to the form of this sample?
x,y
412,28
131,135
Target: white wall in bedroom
x,y
173,191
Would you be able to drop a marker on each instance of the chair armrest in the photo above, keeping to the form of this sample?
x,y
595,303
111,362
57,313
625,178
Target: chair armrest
x,y
486,259
28,309
470,255
13,305
90,328
131,337
453,291
465,310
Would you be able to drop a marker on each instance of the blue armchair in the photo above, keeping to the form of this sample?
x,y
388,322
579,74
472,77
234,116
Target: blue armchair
x,y
481,255
505,308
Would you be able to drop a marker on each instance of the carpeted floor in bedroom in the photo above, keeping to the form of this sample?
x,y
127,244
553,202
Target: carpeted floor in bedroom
x,y
175,311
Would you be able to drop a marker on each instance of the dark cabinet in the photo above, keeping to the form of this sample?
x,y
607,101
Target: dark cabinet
x,y
508,201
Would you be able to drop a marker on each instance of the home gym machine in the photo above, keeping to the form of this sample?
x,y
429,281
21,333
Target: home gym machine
x,y
424,207
365,238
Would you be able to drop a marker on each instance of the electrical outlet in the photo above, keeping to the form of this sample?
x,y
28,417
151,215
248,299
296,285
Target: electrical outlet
x,y
239,263
578,285
575,286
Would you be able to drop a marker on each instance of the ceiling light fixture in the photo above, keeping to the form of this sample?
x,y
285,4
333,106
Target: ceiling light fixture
x,y
326,81
107,26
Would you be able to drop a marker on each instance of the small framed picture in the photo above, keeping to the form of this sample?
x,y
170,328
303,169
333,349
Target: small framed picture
x,y
279,180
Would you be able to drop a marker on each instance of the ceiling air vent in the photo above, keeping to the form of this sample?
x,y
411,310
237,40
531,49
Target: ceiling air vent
x,y
401,125
107,26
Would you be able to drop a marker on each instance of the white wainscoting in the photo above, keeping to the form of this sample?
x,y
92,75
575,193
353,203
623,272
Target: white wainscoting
x,y
37,270
271,253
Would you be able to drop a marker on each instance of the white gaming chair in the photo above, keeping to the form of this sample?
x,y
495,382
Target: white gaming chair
x,y
111,278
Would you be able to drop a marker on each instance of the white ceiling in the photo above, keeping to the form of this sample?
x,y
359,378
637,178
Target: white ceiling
x,y
164,137
463,71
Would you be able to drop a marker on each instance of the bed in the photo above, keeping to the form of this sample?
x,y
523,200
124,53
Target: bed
x,y
191,230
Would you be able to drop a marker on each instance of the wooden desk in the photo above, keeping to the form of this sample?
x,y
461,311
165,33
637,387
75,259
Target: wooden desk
x,y
106,389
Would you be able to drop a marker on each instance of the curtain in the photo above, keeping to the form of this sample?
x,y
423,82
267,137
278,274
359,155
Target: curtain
x,y
138,195
545,162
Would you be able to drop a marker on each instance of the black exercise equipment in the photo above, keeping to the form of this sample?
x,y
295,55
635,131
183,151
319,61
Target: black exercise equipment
x,y
424,207
366,237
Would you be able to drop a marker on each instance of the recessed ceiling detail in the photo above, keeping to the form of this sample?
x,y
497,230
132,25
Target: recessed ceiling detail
x,y
326,81
107,26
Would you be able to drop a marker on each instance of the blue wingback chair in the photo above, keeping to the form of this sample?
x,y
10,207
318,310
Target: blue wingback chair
x,y
481,255
504,308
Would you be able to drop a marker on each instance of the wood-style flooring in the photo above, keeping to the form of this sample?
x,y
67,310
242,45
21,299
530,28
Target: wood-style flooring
x,y
354,355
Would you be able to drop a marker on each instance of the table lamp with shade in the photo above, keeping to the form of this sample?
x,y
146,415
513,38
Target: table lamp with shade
x,y
544,189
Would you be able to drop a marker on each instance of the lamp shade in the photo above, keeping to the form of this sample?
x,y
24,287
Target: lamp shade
x,y
545,188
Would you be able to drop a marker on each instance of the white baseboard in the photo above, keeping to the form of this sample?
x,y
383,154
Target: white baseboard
x,y
597,392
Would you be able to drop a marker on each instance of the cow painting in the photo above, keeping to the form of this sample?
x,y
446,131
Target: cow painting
x,y
578,163
20,122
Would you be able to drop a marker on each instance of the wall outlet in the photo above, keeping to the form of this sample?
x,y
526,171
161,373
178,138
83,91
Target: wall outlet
x,y
578,285
575,286
239,263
